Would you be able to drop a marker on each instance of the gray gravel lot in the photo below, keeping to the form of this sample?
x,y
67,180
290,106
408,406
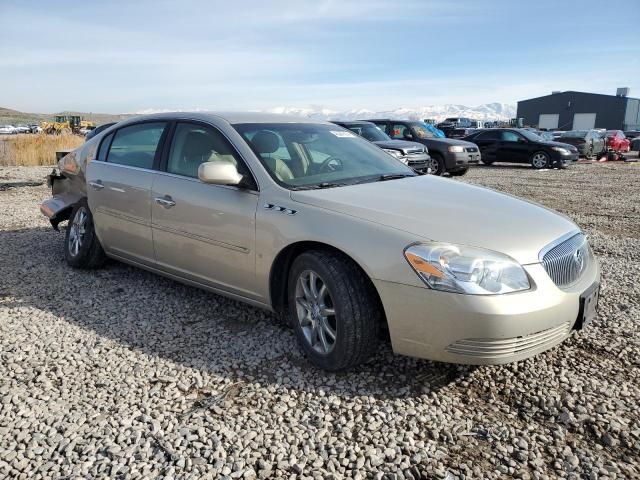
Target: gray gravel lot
x,y
119,373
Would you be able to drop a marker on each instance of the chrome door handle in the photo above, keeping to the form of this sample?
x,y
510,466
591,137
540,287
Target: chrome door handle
x,y
165,202
97,185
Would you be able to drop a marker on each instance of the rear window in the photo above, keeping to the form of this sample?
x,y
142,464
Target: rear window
x,y
136,146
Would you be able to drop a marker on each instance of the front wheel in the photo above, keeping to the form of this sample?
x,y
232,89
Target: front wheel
x,y
459,173
82,247
334,310
540,160
437,164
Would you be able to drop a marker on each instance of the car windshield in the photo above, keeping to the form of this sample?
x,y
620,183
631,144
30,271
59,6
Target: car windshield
x,y
422,131
370,132
575,134
306,155
529,135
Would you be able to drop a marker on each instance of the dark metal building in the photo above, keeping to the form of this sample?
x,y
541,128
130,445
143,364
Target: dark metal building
x,y
581,111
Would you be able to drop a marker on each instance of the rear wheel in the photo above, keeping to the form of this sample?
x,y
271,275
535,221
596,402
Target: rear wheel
x,y
82,247
540,160
334,310
437,164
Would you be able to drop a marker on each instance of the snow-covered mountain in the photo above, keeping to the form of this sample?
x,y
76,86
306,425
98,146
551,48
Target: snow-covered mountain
x,y
485,112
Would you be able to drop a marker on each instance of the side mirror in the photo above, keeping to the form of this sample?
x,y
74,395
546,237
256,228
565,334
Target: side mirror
x,y
219,173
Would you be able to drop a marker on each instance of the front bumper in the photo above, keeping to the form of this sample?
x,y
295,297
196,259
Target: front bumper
x,y
462,160
473,329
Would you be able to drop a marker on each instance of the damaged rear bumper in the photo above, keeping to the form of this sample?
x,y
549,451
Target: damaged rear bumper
x,y
58,208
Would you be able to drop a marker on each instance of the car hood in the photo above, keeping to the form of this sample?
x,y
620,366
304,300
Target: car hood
x,y
399,144
450,211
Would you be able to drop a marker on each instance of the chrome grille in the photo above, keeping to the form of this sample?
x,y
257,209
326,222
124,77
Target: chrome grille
x,y
566,261
505,347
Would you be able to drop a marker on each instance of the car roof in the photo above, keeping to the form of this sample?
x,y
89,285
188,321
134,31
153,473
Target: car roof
x,y
353,122
231,117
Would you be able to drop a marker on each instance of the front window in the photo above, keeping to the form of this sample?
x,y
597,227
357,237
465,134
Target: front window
x,y
305,155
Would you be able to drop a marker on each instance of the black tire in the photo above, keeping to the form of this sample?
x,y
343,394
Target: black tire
x,y
88,253
437,164
459,173
536,161
357,311
486,162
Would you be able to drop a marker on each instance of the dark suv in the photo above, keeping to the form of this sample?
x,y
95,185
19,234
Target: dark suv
x,y
412,154
515,145
447,154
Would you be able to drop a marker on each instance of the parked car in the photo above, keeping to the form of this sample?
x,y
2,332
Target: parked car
x,y
8,130
617,141
413,154
460,132
547,136
513,145
447,155
100,128
635,144
631,134
326,229
22,129
588,142
451,124
35,128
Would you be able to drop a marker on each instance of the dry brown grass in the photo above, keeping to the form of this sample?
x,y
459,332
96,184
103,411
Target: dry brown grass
x,y
35,149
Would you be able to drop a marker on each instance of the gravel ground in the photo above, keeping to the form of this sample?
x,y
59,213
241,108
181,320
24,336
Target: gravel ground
x,y
123,374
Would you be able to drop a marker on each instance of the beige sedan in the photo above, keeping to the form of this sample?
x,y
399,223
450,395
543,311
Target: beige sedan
x,y
309,220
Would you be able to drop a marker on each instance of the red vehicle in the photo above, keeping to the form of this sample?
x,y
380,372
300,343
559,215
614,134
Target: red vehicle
x,y
617,141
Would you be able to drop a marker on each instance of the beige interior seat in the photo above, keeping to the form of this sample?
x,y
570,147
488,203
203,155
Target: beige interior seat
x,y
266,144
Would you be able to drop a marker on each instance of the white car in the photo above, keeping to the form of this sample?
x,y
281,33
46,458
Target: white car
x,y
8,130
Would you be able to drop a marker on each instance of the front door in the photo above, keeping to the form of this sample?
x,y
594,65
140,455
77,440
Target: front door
x,y
514,148
119,190
201,232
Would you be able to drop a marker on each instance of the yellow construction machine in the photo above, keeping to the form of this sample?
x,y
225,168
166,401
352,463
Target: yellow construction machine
x,y
66,124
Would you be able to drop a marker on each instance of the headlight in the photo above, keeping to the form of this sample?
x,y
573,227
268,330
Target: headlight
x,y
561,151
396,154
462,269
456,149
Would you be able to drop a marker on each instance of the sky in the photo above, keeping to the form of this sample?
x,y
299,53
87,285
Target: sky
x,y
129,56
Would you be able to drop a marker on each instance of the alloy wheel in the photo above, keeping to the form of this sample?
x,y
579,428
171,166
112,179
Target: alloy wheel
x,y
316,312
77,231
539,160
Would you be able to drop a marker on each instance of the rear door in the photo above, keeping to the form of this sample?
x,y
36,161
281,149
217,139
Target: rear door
x,y
202,232
119,189
488,144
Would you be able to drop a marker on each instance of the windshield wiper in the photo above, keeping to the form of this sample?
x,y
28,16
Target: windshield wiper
x,y
319,186
385,177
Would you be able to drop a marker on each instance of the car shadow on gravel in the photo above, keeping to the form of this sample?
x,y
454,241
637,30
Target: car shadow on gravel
x,y
193,328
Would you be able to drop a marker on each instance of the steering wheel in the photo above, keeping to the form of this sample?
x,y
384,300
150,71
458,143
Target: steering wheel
x,y
331,164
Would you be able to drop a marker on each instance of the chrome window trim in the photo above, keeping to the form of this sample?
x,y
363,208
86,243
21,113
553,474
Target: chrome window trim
x,y
197,180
